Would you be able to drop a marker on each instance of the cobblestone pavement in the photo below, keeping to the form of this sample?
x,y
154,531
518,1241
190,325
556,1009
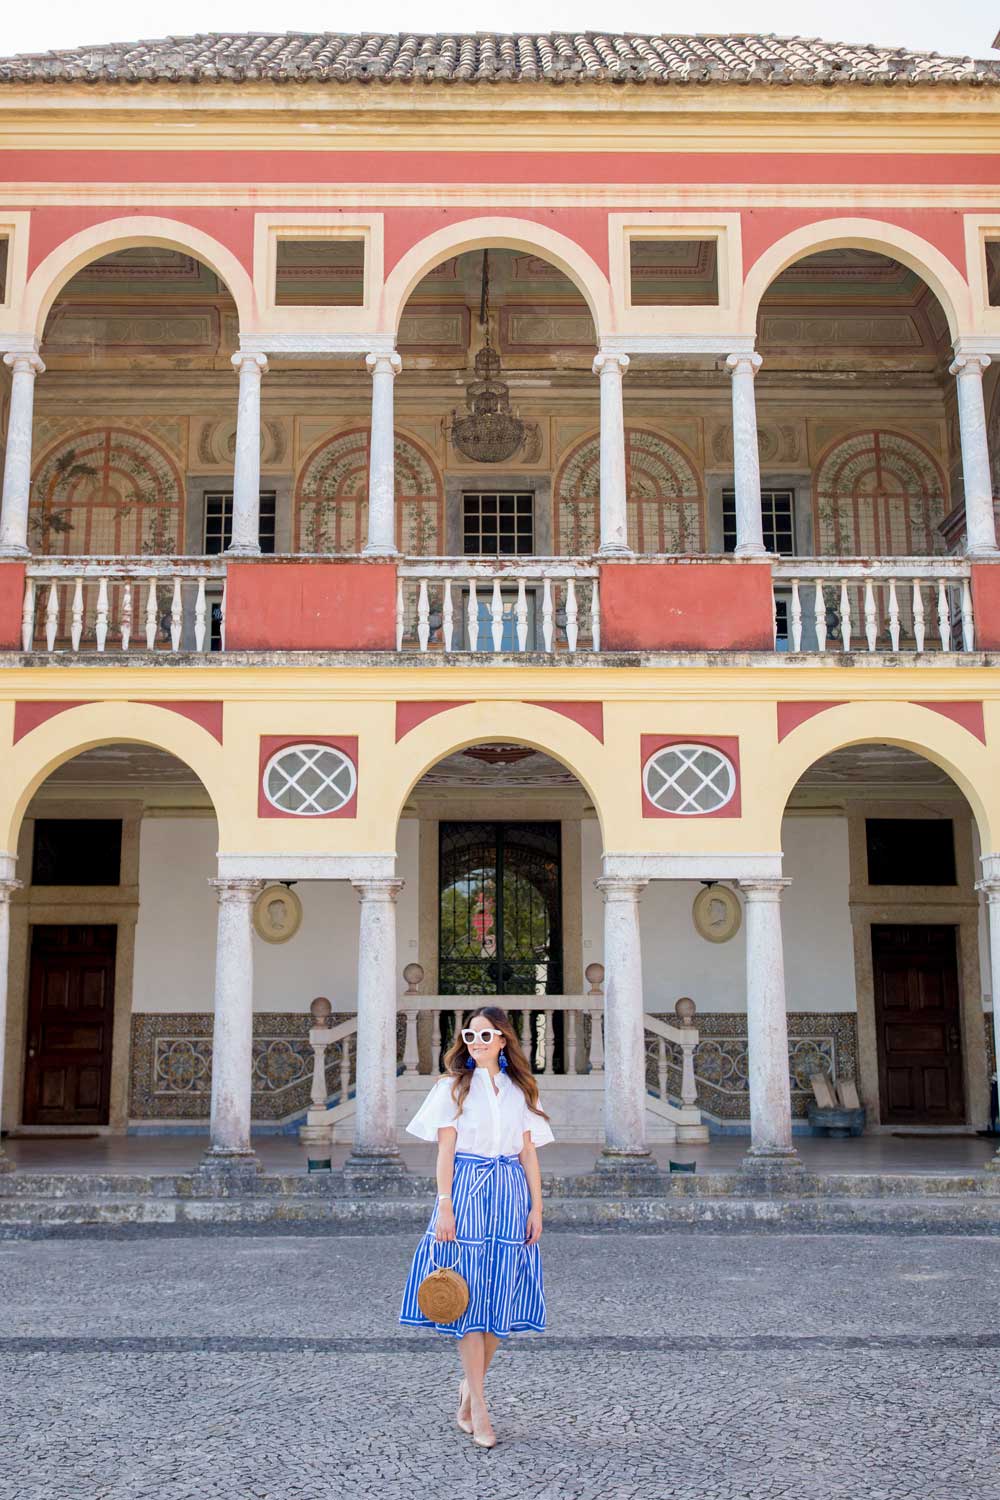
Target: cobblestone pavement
x,y
677,1367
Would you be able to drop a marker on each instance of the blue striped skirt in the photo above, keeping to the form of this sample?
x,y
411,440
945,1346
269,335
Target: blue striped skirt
x,y
491,1201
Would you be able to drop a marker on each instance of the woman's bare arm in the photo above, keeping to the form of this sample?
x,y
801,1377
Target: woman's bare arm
x,y
447,1139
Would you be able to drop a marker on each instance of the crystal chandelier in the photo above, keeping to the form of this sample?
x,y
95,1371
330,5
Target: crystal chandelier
x,y
490,432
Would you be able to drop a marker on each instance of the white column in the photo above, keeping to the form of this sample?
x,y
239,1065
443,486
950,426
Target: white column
x,y
375,1068
614,479
246,464
746,456
17,461
381,460
980,523
624,1032
991,890
232,1029
767,1026
7,889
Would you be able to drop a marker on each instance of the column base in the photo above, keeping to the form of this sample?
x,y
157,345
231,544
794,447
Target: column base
x,y
993,1165
614,549
750,549
379,551
318,1146
626,1163
773,1165
243,549
14,549
983,554
230,1171
374,1170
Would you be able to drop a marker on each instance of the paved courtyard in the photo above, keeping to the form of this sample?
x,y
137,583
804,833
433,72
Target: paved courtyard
x,y
677,1367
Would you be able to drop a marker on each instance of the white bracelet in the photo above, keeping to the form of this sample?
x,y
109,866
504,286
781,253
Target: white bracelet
x,y
444,1197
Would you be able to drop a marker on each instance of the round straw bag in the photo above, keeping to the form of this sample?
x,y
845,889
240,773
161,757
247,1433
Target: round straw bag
x,y
443,1295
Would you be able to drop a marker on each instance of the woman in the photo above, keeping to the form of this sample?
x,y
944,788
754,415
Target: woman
x,y
487,1121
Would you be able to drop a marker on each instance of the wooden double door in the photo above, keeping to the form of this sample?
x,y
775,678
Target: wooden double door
x,y
918,1022
71,1004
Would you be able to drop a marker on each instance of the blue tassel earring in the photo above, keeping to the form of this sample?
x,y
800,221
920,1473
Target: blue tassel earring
x,y
470,1062
503,1060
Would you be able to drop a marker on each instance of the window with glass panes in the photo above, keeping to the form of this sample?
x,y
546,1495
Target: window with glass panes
x,y
777,519
219,521
498,524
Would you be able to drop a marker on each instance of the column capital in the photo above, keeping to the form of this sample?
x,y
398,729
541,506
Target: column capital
x,y
243,359
238,890
612,363
8,888
620,888
378,890
748,357
970,364
19,362
990,888
764,890
385,364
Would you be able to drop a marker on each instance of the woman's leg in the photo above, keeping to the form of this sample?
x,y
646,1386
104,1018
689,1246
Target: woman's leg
x,y
473,1352
490,1346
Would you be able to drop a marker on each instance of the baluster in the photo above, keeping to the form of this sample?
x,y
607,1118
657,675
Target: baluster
x,y
436,1042
222,615
423,616
893,616
411,1052
521,616
819,615
345,1069
796,620
472,616
968,625
318,1096
595,618
845,615
524,1031
570,1022
661,1067
496,616
28,615
871,615
51,617
944,619
101,621
199,617
456,1024
76,630
448,616
597,1041
689,1087
176,616
547,613
400,614
151,620
550,1041
918,615
572,613
125,616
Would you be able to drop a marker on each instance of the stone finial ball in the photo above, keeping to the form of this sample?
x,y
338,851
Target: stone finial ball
x,y
685,1010
594,975
414,975
321,1010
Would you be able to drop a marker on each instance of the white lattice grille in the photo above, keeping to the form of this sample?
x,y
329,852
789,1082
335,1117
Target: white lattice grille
x,y
309,780
689,779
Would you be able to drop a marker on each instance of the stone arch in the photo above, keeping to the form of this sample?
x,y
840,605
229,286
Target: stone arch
x,y
664,496
106,490
947,284
504,233
331,496
62,263
84,726
878,493
915,727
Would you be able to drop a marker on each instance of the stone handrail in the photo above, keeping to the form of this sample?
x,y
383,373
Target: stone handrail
x,y
156,603
890,604
498,604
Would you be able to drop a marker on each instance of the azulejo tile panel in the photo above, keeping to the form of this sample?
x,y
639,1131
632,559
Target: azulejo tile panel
x,y
817,1043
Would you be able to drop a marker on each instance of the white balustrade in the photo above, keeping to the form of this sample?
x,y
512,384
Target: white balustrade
x,y
871,605
96,604
496,605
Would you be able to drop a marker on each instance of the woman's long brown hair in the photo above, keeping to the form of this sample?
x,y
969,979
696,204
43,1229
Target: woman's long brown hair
x,y
456,1060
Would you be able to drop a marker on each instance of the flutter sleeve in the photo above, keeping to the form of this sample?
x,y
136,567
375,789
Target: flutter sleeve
x,y
437,1109
540,1130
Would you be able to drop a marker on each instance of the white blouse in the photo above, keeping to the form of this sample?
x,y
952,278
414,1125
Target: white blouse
x,y
491,1123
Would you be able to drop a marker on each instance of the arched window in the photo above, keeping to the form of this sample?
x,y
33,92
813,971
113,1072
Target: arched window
x,y
663,492
331,512
106,491
878,494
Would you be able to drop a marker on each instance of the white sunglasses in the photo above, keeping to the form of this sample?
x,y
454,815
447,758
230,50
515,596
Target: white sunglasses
x,y
486,1036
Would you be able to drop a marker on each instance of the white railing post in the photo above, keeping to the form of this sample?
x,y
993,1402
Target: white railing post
x,y
317,1096
684,1009
28,615
594,975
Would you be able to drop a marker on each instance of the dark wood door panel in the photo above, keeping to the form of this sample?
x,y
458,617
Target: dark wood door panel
x,y
918,1025
67,1078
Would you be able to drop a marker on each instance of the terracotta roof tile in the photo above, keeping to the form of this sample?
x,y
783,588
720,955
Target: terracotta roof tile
x,y
491,57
